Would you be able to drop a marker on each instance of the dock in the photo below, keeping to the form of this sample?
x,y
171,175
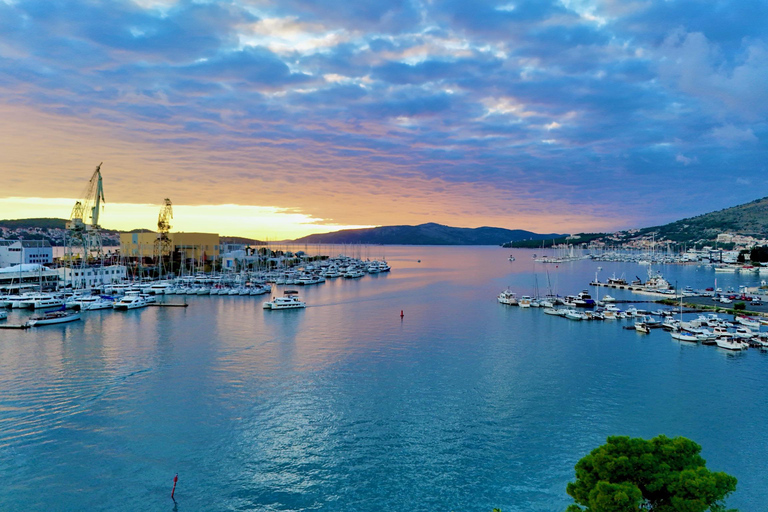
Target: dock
x,y
14,326
168,305
636,289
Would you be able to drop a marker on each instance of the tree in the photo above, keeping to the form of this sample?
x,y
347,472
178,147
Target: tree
x,y
662,474
759,254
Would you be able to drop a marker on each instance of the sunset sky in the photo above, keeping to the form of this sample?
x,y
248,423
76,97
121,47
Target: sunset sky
x,y
276,119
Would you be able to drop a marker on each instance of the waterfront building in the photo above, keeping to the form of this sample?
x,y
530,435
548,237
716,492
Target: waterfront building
x,y
91,277
27,276
15,252
196,246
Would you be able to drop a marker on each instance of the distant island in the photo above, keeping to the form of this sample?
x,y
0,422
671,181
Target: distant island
x,y
425,234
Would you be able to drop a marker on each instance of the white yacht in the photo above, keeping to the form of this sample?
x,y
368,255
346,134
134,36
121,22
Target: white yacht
x,y
90,302
684,336
525,301
729,343
508,297
40,301
130,302
289,300
749,322
572,314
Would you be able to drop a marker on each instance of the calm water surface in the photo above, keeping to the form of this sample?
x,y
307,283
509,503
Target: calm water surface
x,y
464,405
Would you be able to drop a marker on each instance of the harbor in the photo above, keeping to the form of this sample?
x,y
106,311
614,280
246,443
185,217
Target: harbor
x,y
123,387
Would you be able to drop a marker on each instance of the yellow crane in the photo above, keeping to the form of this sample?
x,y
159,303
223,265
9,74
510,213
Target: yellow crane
x,y
83,226
163,244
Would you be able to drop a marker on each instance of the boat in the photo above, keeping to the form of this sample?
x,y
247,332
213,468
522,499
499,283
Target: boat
x,y
608,298
54,317
289,300
748,322
572,314
511,258
649,320
584,300
3,315
41,301
684,336
508,297
130,302
641,327
617,281
729,343
525,301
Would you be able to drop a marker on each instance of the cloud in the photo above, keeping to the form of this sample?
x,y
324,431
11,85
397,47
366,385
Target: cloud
x,y
699,68
488,107
731,136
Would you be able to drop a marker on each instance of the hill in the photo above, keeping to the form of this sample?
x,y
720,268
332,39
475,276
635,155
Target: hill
x,y
747,219
50,229
42,223
239,240
424,234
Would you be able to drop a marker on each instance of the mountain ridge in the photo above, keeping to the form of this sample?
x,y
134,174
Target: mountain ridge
x,y
430,233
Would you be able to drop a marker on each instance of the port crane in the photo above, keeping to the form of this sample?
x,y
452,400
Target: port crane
x,y
163,244
84,231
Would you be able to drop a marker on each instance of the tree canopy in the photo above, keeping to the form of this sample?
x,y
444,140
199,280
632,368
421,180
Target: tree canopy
x,y
661,474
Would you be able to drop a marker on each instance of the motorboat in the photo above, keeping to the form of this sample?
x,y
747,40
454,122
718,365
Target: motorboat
x,y
525,301
748,322
572,314
90,302
642,327
54,317
729,343
584,300
41,301
649,320
289,300
353,274
684,336
130,302
3,315
508,297
608,298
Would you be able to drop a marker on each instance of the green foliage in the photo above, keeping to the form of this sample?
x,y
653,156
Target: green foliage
x,y
661,474
739,306
45,223
759,254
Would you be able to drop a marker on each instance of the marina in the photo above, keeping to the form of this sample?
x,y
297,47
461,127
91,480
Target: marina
x,y
346,402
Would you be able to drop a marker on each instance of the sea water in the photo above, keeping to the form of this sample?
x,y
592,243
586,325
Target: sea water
x,y
463,404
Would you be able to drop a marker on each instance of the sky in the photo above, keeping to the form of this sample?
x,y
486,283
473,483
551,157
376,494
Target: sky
x,y
277,119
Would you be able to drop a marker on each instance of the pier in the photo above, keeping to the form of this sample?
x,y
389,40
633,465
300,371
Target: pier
x,y
636,289
14,326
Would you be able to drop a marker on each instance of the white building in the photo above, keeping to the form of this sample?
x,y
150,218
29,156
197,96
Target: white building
x,y
91,277
15,252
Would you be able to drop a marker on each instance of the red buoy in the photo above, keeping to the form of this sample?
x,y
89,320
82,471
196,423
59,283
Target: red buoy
x,y
175,479
401,314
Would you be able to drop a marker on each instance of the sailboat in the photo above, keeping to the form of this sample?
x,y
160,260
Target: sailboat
x,y
681,335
